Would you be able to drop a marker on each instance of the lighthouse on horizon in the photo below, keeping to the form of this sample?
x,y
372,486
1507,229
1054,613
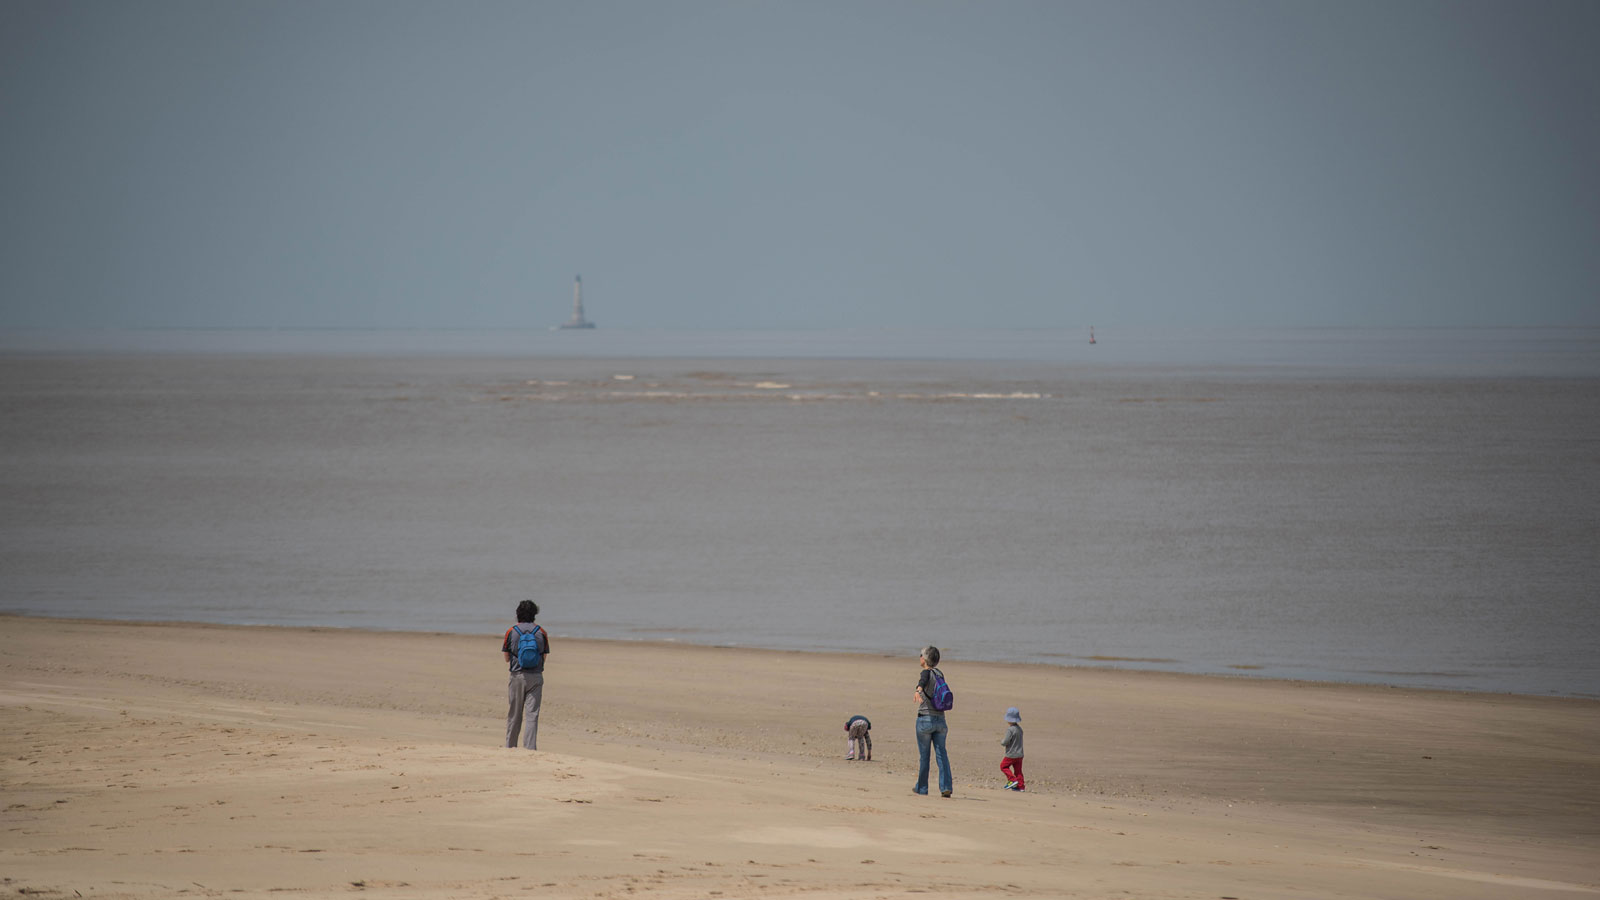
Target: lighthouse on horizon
x,y
577,320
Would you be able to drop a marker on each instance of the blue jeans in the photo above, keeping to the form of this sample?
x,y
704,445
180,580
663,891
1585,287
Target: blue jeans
x,y
931,731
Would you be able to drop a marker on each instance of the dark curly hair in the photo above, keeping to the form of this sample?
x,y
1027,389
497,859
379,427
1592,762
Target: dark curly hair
x,y
526,610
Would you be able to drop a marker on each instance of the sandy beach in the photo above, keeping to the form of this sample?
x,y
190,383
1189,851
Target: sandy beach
x,y
186,761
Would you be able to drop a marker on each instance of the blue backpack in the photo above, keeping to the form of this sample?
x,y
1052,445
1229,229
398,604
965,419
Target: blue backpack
x,y
528,653
943,698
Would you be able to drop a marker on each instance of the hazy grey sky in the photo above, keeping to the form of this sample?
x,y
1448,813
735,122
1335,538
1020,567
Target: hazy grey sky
x,y
807,164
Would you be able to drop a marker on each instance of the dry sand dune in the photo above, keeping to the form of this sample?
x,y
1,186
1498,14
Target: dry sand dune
x,y
193,761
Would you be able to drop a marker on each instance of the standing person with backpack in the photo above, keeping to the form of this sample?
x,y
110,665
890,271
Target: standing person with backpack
x,y
525,647
933,697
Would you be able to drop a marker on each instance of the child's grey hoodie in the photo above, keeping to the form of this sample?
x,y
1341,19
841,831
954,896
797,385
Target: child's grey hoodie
x,y
1013,741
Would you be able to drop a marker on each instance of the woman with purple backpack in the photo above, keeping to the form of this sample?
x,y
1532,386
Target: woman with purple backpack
x,y
933,698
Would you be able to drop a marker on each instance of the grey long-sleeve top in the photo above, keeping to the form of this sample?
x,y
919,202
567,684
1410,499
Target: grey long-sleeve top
x,y
1013,741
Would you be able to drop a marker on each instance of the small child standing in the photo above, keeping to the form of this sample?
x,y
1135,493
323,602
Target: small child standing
x,y
1011,765
859,740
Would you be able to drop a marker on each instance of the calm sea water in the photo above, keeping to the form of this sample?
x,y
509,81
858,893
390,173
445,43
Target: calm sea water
x,y
1479,352
1420,508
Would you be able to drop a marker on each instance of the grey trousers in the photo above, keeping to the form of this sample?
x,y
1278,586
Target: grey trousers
x,y
860,741
525,693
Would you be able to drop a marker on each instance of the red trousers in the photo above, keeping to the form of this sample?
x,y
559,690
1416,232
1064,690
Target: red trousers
x,y
1012,767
